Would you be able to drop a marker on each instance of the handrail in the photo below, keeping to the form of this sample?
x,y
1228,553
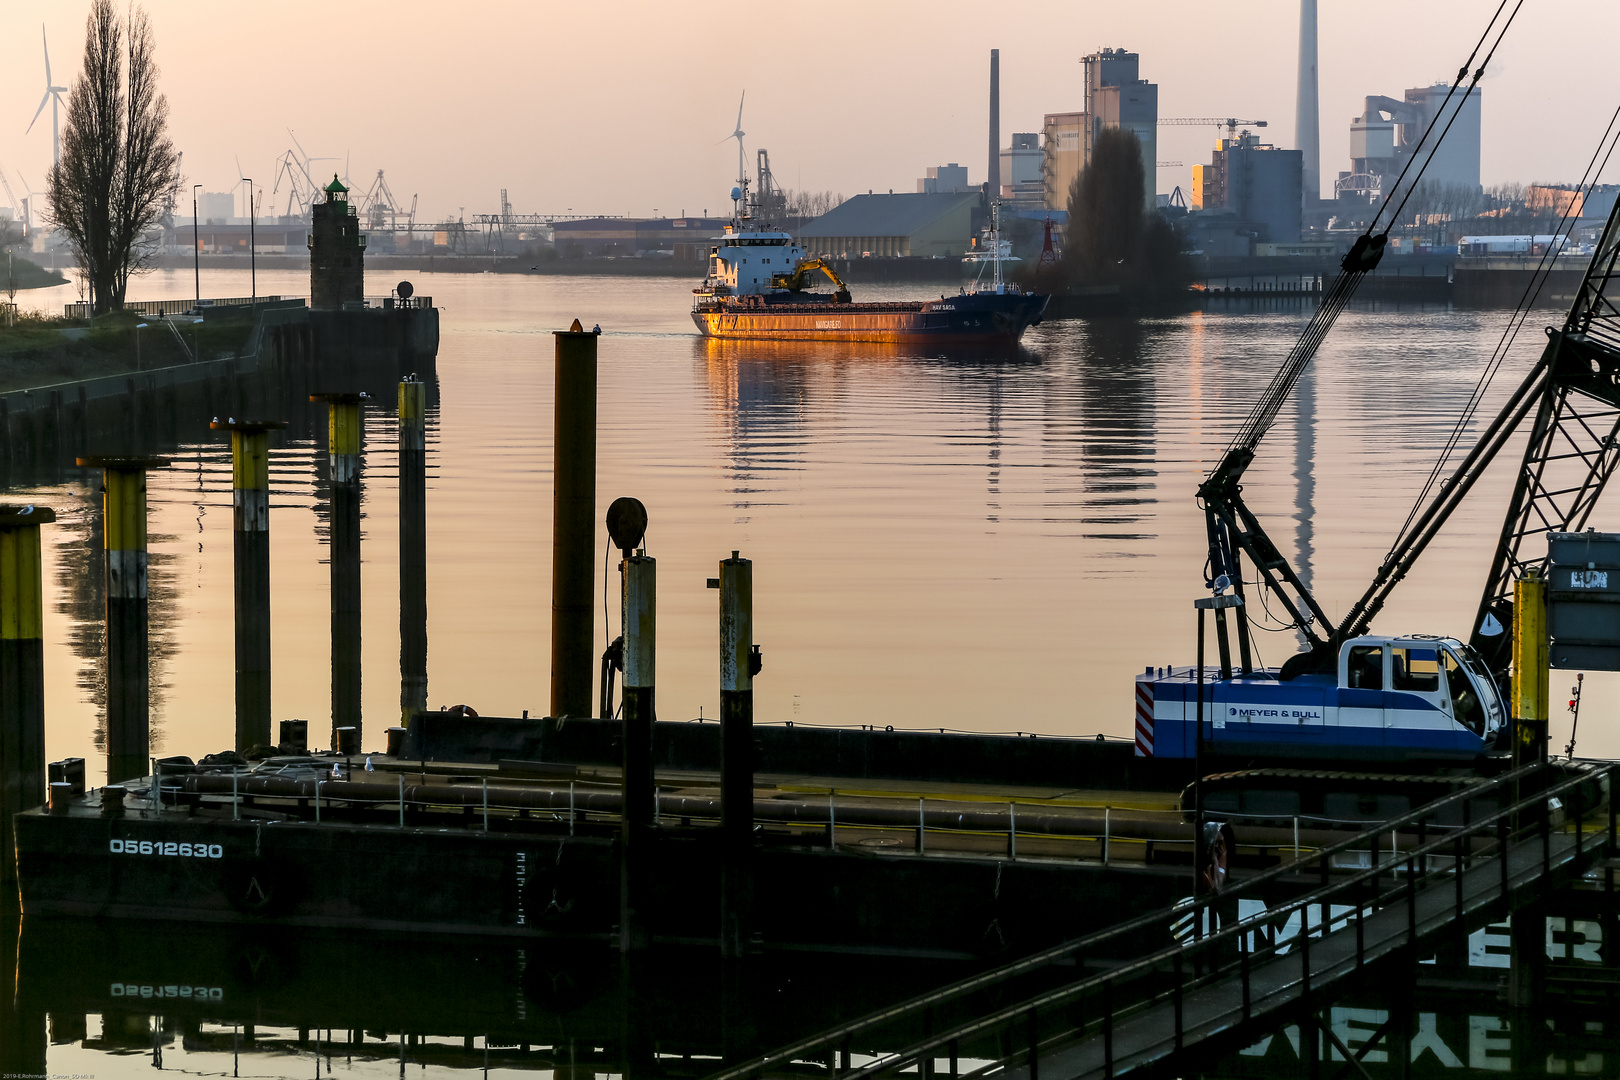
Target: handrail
x,y
838,1036
1180,954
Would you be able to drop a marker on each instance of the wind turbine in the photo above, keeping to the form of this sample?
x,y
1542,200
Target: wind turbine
x,y
738,135
53,95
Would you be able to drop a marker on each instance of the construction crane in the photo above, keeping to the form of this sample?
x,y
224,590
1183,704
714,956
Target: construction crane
x,y
1316,704
1228,123
1571,396
16,207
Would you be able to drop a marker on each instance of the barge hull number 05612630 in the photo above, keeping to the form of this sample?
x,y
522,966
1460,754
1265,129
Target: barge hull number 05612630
x,y
757,288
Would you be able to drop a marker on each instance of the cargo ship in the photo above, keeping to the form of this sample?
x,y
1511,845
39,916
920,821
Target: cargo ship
x,y
759,288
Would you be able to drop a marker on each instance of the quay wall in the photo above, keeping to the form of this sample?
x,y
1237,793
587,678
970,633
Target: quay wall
x,y
289,354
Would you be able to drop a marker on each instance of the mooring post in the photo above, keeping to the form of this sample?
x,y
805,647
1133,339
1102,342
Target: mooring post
x,y
1530,683
637,825
638,819
413,642
573,528
343,429
250,525
128,684
22,673
737,667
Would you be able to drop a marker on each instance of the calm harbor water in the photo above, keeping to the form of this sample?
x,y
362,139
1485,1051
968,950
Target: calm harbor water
x,y
973,543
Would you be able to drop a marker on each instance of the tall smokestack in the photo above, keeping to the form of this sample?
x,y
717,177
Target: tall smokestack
x,y
994,172
1307,127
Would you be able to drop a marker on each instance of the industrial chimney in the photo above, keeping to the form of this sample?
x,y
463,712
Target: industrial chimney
x,y
1307,125
994,173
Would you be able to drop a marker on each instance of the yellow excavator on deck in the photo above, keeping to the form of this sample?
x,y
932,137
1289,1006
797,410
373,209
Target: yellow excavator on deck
x,y
799,277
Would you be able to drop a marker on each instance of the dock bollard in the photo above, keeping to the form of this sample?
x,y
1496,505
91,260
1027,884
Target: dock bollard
x,y
250,527
22,671
343,445
739,660
294,737
128,679
573,523
413,643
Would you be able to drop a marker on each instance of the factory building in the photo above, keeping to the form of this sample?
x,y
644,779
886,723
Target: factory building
x,y
1022,185
884,226
1260,186
944,180
1384,136
1115,96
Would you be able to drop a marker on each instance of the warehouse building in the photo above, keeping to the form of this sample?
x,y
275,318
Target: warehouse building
x,y
889,226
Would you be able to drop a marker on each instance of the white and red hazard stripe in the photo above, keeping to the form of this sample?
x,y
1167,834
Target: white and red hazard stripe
x,y
1144,718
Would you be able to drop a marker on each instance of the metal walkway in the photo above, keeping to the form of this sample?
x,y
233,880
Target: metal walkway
x,y
1229,979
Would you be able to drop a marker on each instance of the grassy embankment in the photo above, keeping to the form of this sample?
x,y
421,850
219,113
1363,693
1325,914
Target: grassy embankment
x,y
42,351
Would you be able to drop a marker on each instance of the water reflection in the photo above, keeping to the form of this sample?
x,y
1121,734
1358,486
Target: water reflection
x,y
273,1001
1107,421
943,540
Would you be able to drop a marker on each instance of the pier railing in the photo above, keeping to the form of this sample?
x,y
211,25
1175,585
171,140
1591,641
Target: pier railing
x,y
1228,972
80,309
937,824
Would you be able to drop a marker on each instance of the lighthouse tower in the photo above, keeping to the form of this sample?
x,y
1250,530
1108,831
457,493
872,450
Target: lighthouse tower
x,y
337,250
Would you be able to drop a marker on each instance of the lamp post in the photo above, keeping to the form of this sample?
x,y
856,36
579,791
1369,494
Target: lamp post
x,y
253,250
138,328
196,247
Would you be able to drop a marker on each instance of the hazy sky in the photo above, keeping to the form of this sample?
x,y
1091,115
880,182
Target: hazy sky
x,y
622,107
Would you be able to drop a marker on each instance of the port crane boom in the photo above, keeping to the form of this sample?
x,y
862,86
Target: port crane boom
x,y
1233,529
1573,391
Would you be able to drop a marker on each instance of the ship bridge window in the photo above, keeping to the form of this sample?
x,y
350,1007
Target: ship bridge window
x,y
1415,669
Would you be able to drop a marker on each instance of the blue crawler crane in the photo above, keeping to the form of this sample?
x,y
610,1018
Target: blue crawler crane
x,y
1354,696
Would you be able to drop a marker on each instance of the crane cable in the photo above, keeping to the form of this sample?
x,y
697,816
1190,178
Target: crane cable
x,y
1462,73
1354,267
1510,333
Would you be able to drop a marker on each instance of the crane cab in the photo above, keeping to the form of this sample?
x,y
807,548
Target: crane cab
x,y
1423,691
1390,698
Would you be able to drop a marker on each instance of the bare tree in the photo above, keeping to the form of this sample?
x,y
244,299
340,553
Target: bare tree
x,y
810,204
119,169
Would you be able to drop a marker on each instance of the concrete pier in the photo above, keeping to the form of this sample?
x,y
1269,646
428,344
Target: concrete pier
x,y
129,718
573,542
413,640
22,672
250,525
343,450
